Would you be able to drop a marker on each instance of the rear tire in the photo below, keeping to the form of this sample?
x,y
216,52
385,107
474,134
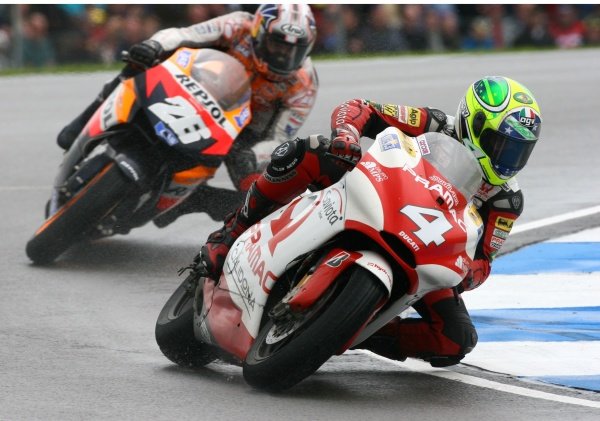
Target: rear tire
x,y
174,330
79,215
278,363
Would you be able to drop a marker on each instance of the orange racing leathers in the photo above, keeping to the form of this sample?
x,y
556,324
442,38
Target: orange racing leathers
x,y
280,105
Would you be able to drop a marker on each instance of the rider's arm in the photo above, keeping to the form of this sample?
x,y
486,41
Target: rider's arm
x,y
297,104
499,208
216,32
360,117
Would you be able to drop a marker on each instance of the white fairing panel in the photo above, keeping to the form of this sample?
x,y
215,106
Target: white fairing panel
x,y
260,256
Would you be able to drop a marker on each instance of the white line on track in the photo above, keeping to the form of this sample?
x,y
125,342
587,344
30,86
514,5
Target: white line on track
x,y
555,219
425,368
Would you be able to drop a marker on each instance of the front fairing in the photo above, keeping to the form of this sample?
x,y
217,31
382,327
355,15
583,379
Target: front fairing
x,y
414,196
185,112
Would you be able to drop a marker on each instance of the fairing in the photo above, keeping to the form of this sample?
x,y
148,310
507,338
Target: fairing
x,y
397,189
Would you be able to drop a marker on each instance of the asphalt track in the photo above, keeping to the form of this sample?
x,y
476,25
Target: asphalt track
x,y
77,338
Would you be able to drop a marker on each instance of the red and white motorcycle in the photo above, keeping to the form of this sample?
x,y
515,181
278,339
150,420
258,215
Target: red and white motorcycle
x,y
326,271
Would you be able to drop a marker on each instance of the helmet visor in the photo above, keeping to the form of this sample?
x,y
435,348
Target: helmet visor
x,y
282,57
507,154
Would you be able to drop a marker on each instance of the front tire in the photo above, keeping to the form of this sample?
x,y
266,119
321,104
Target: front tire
x,y
174,329
79,214
278,361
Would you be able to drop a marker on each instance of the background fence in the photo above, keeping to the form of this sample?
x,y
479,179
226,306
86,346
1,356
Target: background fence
x,y
46,35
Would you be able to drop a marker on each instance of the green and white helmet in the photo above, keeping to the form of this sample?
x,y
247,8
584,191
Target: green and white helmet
x,y
499,120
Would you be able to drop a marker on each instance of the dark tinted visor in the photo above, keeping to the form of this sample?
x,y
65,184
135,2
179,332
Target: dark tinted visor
x,y
282,57
507,154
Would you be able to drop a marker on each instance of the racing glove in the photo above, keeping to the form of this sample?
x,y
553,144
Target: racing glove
x,y
347,147
480,269
145,54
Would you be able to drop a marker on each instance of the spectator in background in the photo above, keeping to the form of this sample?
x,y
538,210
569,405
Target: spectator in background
x,y
442,29
567,30
382,30
535,31
37,48
413,27
592,30
591,23
480,36
503,28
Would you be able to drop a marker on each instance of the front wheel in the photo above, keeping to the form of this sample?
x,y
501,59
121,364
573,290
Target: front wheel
x,y
175,329
79,214
287,351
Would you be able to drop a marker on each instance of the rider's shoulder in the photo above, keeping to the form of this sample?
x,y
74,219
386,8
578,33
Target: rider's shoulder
x,y
488,191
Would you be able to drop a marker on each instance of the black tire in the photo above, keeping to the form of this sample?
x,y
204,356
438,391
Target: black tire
x,y
174,330
79,215
332,322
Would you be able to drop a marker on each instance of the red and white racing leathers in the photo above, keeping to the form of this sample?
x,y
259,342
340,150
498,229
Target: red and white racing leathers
x,y
280,105
445,333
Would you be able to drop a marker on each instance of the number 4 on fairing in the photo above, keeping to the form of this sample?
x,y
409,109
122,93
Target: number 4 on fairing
x,y
182,118
432,229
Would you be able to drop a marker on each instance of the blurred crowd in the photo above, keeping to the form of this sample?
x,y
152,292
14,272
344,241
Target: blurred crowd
x,y
48,34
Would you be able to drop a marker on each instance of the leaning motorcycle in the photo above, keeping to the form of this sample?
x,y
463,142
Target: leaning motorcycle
x,y
155,138
326,271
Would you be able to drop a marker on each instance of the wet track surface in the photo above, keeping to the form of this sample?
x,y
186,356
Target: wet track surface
x,y
77,337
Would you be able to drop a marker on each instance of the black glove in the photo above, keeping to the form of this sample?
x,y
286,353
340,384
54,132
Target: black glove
x,y
145,54
346,147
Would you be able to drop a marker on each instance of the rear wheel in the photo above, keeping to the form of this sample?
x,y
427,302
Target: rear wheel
x,y
288,350
79,214
175,329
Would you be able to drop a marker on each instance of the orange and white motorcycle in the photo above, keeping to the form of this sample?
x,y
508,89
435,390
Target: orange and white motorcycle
x,y
155,138
329,269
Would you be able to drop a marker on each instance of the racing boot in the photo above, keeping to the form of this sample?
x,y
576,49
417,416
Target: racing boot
x,y
215,201
217,245
384,342
69,133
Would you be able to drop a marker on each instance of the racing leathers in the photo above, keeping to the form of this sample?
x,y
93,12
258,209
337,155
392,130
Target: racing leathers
x,y
445,333
279,104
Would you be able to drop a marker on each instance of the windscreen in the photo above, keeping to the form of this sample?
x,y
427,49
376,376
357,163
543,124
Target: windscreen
x,y
454,161
223,77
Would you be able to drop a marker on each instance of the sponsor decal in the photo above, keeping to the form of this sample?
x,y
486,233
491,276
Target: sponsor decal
x,y
443,189
293,30
523,98
391,110
527,117
389,141
279,179
505,224
243,117
375,171
165,133
408,146
342,113
475,217
183,58
462,265
338,259
496,243
409,240
331,210
500,233
414,117
423,145
464,111
402,114
205,99
516,201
